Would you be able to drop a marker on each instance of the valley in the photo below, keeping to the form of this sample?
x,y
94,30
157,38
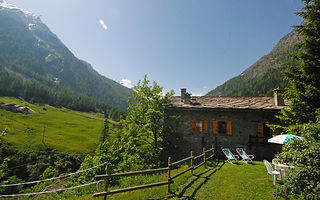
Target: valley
x,y
63,125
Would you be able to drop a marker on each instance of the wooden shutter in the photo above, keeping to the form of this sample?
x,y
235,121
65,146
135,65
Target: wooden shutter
x,y
229,128
260,131
193,126
215,127
204,126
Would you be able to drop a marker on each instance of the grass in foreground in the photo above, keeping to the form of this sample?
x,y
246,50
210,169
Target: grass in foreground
x,y
228,181
65,130
223,181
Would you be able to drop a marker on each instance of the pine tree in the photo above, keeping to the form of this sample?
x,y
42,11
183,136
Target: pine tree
x,y
304,79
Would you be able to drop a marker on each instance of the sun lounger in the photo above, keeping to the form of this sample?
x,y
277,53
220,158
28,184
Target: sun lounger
x,y
245,157
229,155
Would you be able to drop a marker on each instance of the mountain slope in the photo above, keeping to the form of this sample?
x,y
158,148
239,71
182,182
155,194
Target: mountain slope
x,y
264,75
56,128
29,49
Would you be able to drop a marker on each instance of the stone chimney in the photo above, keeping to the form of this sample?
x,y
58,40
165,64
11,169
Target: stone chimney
x,y
187,98
183,93
278,100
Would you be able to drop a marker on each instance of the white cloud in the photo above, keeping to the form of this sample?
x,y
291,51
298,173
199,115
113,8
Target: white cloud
x,y
126,82
104,26
201,92
197,94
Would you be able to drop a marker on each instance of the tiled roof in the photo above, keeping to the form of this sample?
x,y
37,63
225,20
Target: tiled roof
x,y
206,102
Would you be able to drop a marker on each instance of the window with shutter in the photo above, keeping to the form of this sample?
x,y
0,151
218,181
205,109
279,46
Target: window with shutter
x,y
215,127
222,127
229,128
193,126
260,132
204,126
264,132
199,126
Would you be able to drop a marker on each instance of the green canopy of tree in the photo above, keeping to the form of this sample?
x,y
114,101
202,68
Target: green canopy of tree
x,y
302,117
142,129
142,139
304,79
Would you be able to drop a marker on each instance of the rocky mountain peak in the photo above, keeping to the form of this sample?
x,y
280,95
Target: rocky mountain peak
x,y
32,51
5,5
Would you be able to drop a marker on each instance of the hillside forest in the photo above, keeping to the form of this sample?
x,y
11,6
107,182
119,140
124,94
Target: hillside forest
x,y
33,91
265,74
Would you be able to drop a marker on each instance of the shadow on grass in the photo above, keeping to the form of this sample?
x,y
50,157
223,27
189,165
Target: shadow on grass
x,y
235,163
202,175
245,163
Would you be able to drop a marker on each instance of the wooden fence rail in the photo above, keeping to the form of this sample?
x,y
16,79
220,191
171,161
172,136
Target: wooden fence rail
x,y
209,157
181,161
149,171
131,189
170,181
53,178
180,173
196,167
17,196
199,156
208,150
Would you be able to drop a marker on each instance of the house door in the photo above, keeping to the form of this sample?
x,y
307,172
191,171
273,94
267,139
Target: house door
x,y
264,132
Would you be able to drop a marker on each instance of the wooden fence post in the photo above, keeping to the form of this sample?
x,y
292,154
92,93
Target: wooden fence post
x,y
169,173
191,162
204,157
212,149
106,180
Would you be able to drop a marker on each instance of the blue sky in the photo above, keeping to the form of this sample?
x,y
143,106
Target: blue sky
x,y
193,44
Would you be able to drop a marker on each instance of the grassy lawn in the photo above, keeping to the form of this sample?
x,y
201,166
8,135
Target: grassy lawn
x,y
65,130
227,181
222,181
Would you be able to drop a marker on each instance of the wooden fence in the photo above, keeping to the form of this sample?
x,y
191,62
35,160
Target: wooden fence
x,y
17,196
168,169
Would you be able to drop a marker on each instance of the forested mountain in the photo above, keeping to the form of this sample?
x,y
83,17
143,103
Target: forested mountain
x,y
29,51
264,75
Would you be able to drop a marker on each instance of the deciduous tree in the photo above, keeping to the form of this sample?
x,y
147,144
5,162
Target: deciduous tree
x,y
142,130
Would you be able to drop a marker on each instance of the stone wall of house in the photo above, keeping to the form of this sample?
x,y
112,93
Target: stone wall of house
x,y
244,123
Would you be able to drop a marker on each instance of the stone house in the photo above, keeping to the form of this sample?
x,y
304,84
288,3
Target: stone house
x,y
226,122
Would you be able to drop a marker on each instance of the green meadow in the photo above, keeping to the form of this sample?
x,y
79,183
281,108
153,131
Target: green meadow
x,y
63,129
219,180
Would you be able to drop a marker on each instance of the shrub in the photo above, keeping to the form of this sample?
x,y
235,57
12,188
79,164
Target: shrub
x,y
303,181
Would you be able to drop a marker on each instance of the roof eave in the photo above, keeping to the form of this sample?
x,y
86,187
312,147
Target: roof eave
x,y
225,109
